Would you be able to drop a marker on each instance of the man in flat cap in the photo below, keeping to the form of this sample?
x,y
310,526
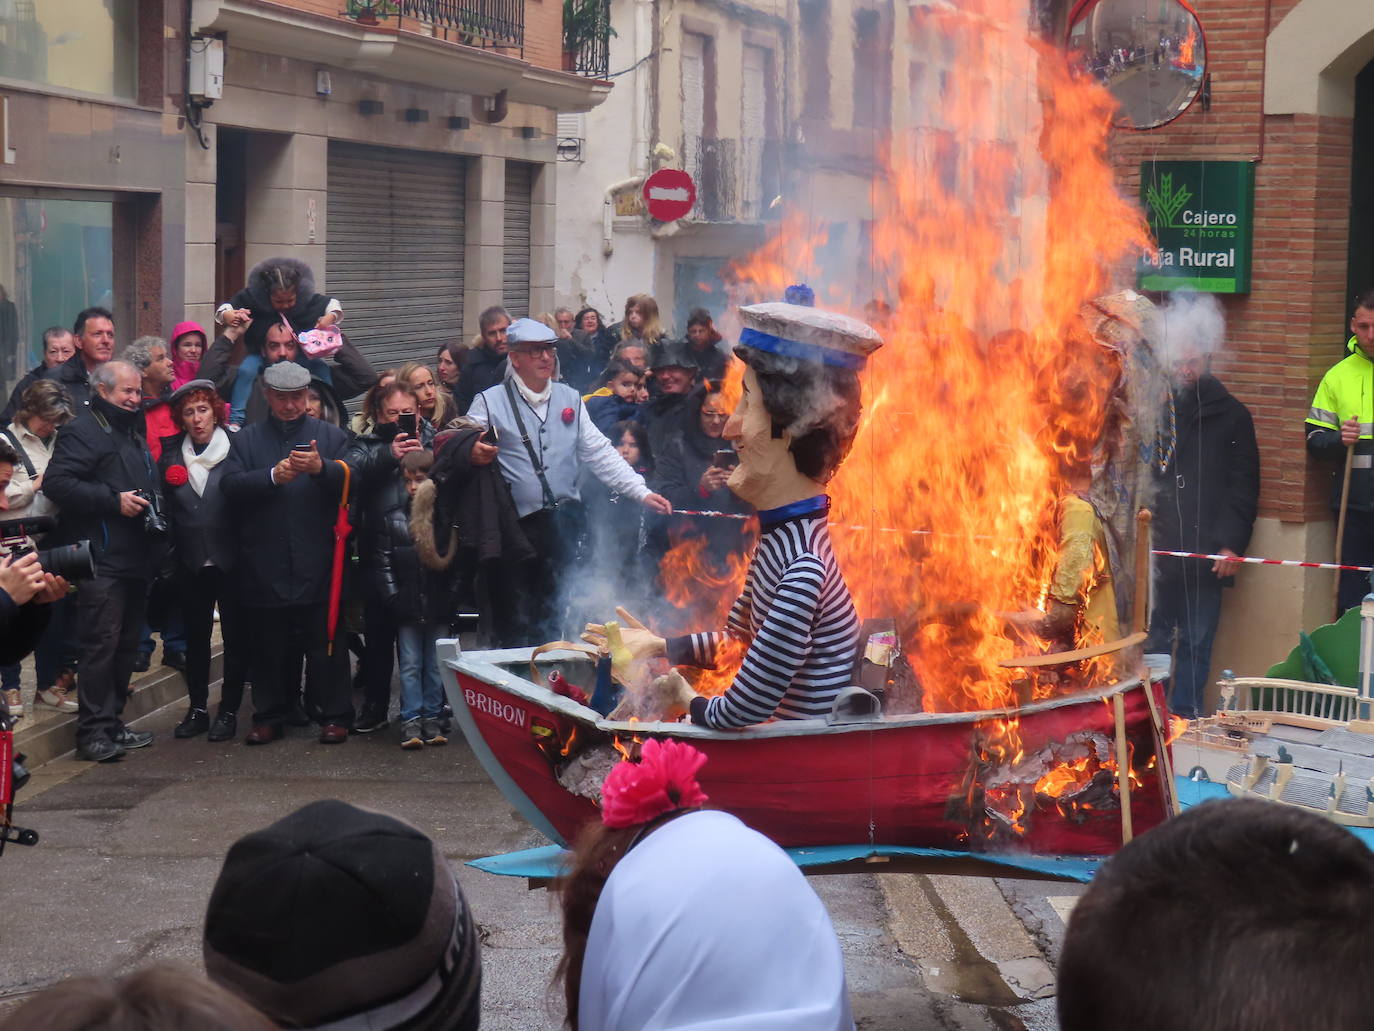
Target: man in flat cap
x,y
544,438
284,478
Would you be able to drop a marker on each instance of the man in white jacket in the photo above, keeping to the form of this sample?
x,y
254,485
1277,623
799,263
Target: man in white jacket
x,y
543,439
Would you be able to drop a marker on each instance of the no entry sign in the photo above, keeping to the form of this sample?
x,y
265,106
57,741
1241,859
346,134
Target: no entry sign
x,y
669,194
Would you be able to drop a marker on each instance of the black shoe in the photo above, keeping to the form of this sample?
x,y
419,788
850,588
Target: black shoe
x,y
129,739
225,727
195,723
175,659
144,660
369,721
298,718
100,750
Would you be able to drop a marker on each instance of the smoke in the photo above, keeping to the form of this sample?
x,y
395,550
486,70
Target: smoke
x,y
1189,324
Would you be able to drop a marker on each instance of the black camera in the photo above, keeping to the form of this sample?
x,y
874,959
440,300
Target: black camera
x,y
72,561
154,522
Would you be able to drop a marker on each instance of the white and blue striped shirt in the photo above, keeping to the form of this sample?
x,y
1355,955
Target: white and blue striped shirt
x,y
795,617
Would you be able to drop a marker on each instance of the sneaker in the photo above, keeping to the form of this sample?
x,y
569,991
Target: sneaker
x,y
57,698
412,735
369,721
14,702
224,728
433,733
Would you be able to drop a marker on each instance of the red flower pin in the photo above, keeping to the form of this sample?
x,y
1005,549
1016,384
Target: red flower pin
x,y
568,416
176,475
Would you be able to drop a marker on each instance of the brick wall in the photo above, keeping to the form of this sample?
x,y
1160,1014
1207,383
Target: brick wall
x,y
1290,328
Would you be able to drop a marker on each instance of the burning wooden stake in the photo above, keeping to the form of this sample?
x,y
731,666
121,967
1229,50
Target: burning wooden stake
x,y
1123,765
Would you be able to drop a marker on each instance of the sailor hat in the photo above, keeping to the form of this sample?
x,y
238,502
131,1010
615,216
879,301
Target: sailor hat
x,y
529,331
813,334
286,377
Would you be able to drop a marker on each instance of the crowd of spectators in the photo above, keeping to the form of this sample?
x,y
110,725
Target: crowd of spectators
x,y
208,471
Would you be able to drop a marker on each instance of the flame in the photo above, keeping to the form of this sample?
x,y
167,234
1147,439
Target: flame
x,y
1069,775
1177,725
993,223
1185,49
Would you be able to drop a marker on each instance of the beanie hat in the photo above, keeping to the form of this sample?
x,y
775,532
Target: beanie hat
x,y
341,917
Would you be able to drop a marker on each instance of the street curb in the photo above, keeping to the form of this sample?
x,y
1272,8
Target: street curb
x,y
148,692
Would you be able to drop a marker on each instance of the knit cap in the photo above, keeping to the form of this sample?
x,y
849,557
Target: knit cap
x,y
338,917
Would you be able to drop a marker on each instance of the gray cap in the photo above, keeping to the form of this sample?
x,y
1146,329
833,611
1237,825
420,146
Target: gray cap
x,y
189,388
529,331
286,376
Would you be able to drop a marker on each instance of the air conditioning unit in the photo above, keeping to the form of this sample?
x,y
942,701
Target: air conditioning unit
x,y
205,73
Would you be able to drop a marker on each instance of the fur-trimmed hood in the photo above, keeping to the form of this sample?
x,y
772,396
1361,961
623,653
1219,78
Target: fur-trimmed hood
x,y
261,292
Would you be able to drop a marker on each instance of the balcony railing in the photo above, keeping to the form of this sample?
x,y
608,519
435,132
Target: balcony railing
x,y
476,23
587,37
736,179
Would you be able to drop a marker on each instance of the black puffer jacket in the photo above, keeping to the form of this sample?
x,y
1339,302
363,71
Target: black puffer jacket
x,y
75,380
98,455
413,593
377,481
1208,494
286,532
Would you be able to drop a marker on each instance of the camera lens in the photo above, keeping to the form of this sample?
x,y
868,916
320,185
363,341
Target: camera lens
x,y
72,561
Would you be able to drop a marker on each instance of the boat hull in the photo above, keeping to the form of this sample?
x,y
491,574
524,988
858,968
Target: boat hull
x,y
905,781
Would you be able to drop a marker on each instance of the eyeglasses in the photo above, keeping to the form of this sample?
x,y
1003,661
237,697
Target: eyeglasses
x,y
536,350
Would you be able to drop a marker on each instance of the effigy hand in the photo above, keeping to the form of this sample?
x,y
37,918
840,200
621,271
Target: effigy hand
x,y
641,642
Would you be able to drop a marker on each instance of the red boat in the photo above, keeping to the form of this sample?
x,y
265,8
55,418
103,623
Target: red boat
x,y
932,780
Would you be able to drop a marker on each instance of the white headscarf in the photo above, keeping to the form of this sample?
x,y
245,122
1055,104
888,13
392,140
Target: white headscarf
x,y
198,466
708,924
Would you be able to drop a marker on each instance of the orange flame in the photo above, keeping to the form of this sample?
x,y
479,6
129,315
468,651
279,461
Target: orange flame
x,y
1185,49
992,224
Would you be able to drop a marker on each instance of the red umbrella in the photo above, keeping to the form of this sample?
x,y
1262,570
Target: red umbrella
x,y
342,528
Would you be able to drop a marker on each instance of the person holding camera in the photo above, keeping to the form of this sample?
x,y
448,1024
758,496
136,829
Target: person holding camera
x,y
26,589
375,459
43,408
104,482
284,478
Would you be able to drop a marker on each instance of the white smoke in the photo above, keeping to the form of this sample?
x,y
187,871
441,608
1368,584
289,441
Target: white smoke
x,y
1189,324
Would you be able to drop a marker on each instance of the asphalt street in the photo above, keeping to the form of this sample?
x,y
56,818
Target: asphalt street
x,y
129,852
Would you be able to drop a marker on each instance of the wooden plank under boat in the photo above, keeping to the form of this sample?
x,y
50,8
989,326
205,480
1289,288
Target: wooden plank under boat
x,y
901,780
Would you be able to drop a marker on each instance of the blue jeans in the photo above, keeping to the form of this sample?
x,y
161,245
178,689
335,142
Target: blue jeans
x,y
422,693
1187,599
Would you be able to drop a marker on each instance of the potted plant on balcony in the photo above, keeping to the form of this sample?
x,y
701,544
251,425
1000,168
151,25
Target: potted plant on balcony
x,y
585,23
365,12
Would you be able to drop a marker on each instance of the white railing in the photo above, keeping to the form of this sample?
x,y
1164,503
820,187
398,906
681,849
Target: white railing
x,y
1293,701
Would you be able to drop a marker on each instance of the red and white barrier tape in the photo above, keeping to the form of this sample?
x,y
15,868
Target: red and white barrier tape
x,y
1165,554
1266,561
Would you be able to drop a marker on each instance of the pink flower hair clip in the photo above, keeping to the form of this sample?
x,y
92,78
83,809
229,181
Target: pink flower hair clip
x,y
663,781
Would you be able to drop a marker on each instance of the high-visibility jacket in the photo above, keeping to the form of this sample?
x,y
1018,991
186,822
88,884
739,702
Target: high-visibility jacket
x,y
1346,390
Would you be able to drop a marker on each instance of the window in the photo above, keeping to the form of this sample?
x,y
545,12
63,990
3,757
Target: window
x,y
87,45
872,71
698,112
815,56
56,257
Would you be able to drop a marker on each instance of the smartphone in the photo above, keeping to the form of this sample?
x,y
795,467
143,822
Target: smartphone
x,y
407,422
490,437
725,458
303,446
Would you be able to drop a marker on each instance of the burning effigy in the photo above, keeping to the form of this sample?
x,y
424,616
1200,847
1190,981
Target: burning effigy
x,y
984,523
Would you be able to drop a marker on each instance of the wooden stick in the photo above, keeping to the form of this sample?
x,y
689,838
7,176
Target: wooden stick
x,y
1340,523
1061,658
1123,767
1166,758
1143,519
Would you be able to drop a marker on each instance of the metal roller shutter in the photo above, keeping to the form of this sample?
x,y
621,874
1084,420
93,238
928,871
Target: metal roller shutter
x,y
395,250
515,284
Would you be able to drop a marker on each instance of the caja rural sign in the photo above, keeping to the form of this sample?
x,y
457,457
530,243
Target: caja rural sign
x,y
1202,216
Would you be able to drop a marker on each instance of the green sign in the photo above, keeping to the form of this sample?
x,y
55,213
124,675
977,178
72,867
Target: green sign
x,y
1202,217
